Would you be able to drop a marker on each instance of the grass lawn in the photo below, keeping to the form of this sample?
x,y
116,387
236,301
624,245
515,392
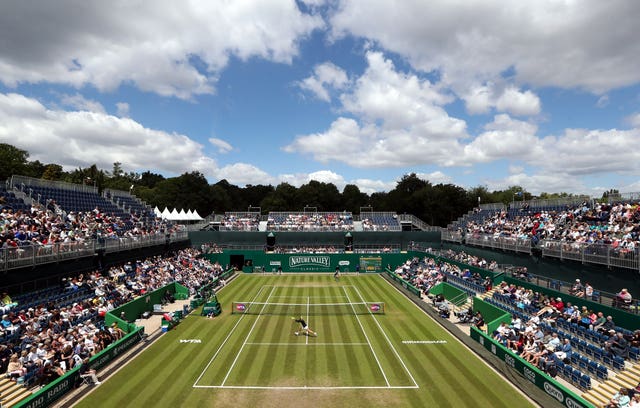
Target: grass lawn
x,y
400,358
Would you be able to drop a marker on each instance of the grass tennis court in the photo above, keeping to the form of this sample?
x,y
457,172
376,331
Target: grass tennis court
x,y
359,358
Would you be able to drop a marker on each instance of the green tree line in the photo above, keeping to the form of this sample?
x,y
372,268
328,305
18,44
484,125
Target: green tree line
x,y
436,204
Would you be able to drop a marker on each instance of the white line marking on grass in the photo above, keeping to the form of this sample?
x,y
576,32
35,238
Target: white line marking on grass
x,y
258,387
310,344
306,340
424,342
244,343
224,342
367,337
389,341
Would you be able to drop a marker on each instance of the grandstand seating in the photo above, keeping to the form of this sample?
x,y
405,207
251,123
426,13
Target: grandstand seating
x,y
375,221
310,221
10,201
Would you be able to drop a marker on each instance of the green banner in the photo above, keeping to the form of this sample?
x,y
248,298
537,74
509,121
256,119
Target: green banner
x,y
531,373
252,261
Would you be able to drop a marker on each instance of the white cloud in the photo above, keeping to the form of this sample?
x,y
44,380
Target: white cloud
x,y
517,102
398,122
603,101
633,120
504,138
79,102
172,48
82,138
477,41
223,147
325,76
435,177
122,109
481,98
243,173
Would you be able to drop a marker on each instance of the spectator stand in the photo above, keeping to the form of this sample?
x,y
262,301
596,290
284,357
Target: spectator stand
x,y
379,221
594,374
309,221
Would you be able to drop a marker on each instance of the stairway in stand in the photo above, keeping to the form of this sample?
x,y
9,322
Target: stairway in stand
x,y
629,378
11,392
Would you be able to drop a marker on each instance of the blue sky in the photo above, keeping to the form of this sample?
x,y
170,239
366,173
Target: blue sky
x,y
542,94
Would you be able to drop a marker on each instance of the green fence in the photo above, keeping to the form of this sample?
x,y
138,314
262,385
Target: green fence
x,y
253,261
451,293
493,316
563,395
131,311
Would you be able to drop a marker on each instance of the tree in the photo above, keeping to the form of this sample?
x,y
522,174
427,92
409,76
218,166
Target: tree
x,y
149,179
117,170
353,199
52,172
12,161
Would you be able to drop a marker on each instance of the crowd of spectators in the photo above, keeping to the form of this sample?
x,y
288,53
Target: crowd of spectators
x,y
240,222
41,343
308,221
617,225
528,333
43,228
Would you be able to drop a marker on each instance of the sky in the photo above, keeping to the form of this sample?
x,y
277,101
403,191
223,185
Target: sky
x,y
541,94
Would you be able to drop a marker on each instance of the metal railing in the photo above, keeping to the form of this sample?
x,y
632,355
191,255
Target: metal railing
x,y
515,244
600,254
31,255
20,182
451,235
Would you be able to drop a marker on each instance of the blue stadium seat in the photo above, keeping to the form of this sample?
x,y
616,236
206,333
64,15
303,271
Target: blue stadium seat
x,y
618,363
585,382
567,371
602,373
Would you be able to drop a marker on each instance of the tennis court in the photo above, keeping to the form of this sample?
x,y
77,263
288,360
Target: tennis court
x,y
350,341
361,357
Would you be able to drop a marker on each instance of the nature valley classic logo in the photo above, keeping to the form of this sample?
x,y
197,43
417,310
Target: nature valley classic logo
x,y
309,261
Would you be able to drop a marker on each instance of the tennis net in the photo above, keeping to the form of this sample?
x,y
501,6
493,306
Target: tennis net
x,y
307,309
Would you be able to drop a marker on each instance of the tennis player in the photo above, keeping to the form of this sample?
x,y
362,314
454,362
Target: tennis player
x,y
305,328
336,274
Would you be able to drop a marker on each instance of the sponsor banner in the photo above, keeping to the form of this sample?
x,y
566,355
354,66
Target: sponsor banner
x,y
275,263
344,263
309,262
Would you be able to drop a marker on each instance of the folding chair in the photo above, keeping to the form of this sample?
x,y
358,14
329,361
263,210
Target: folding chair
x,y
86,380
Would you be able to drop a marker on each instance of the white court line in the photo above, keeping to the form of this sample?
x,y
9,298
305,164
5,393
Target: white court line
x,y
306,297
389,341
367,337
225,341
306,340
310,344
235,360
266,387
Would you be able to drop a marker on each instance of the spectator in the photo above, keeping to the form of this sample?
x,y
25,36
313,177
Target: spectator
x,y
86,372
623,299
617,346
577,289
620,399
